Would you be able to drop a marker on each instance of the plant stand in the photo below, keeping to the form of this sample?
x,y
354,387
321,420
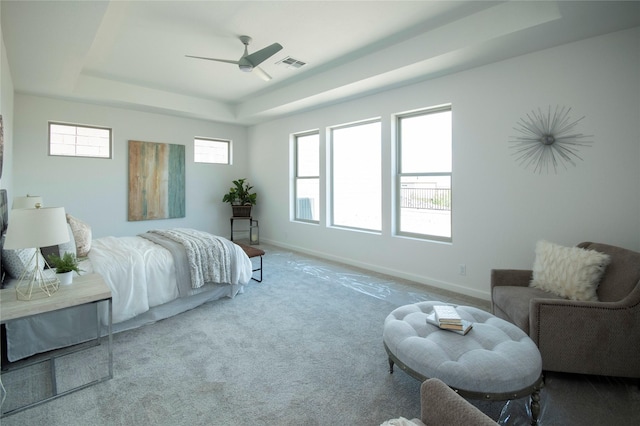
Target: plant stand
x,y
252,230
241,211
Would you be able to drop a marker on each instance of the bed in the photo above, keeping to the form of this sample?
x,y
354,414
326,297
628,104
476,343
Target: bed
x,y
152,276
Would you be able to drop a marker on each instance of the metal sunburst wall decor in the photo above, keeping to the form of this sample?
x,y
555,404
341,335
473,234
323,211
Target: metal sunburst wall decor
x,y
548,140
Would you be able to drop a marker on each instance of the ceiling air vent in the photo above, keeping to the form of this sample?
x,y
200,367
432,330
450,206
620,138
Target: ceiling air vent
x,y
289,62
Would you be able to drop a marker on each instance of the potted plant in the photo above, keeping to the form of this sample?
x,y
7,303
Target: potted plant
x,y
65,266
241,198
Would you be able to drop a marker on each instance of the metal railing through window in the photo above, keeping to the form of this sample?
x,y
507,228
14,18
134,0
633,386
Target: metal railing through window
x,y
426,198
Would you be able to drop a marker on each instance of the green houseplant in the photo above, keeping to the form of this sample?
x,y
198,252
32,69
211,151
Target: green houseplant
x,y
241,198
65,266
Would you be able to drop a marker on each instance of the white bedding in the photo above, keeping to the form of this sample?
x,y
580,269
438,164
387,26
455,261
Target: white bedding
x,y
142,276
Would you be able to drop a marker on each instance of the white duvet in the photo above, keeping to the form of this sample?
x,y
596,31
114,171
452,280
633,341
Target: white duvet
x,y
142,275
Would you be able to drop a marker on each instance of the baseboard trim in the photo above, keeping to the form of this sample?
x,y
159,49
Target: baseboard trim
x,y
419,279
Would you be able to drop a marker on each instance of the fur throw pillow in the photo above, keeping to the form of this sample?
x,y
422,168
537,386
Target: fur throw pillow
x,y
81,235
570,272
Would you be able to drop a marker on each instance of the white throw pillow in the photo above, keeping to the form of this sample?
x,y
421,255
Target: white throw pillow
x,y
15,262
69,246
570,272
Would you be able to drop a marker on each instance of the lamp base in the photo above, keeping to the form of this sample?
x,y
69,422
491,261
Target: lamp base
x,y
28,279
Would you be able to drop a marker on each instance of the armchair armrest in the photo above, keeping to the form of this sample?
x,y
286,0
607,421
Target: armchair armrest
x,y
512,277
603,337
441,405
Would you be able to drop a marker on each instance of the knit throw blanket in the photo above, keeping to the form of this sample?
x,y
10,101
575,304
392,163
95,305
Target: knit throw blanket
x,y
209,256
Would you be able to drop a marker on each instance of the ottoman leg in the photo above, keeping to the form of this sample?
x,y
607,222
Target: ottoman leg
x,y
535,406
390,366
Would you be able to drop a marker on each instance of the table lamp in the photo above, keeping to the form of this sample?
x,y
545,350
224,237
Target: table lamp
x,y
35,228
27,202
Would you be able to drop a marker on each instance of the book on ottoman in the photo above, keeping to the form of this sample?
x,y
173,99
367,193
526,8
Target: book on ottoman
x,y
446,314
446,317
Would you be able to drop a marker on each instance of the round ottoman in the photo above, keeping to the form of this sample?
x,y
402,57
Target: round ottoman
x,y
494,360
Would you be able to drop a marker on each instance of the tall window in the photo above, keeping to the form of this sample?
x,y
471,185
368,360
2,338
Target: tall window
x,y
307,177
215,151
73,140
423,198
356,176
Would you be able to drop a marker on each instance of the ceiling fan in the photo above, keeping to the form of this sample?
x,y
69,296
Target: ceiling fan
x,y
249,62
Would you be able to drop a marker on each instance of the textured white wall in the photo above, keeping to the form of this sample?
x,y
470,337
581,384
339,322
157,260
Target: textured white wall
x,y
95,190
500,209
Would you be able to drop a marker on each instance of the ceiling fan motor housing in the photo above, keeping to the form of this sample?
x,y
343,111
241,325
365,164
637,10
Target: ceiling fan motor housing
x,y
244,65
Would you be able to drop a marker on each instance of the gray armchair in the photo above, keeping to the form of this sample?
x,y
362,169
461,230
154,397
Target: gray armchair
x,y
600,338
440,405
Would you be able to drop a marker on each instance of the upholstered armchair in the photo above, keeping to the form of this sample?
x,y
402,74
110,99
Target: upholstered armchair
x,y
441,405
589,337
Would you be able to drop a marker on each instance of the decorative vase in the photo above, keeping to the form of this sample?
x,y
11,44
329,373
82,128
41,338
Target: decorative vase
x,y
65,278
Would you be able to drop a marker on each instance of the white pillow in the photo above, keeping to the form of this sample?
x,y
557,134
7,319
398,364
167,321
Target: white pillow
x,y
69,246
15,262
570,272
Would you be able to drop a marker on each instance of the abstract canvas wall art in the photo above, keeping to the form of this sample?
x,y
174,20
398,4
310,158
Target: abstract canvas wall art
x,y
156,181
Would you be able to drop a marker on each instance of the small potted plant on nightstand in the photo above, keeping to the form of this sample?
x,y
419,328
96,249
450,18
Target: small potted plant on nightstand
x,y
65,267
241,198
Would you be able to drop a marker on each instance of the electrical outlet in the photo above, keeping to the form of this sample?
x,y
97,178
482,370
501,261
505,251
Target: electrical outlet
x,y
462,269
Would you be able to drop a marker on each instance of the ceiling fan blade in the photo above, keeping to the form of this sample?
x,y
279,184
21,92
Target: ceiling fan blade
x,y
228,61
256,58
261,73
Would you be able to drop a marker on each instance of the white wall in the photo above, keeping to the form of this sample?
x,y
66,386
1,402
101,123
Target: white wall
x,y
95,190
500,208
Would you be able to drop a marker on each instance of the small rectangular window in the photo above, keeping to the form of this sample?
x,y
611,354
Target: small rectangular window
x,y
216,151
73,140
307,177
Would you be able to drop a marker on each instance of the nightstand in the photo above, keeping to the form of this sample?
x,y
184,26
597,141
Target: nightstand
x,y
85,290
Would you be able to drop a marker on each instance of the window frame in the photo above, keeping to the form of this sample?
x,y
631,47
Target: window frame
x,y
297,177
400,174
330,131
206,139
76,126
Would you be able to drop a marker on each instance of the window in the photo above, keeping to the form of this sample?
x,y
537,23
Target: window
x,y
356,176
74,140
423,193
215,151
307,177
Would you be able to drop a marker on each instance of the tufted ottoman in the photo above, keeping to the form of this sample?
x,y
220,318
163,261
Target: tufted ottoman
x,y
494,361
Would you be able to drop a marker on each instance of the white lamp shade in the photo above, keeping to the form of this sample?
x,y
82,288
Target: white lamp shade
x,y
29,228
28,202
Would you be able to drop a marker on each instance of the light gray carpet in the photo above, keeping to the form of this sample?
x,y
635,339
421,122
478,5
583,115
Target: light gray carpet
x,y
304,347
